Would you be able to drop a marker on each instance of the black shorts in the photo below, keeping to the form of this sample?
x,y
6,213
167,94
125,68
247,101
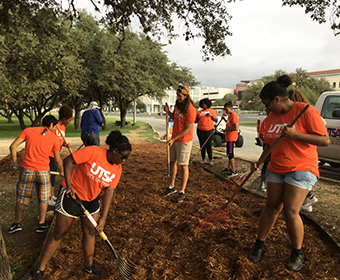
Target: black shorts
x,y
67,207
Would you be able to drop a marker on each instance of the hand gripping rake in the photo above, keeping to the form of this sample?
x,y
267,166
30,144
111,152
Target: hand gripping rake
x,y
206,141
167,180
220,218
125,266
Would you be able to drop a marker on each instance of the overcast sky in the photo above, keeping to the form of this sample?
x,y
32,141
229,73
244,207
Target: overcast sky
x,y
266,37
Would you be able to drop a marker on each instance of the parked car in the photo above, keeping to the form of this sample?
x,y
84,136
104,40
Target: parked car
x,y
328,105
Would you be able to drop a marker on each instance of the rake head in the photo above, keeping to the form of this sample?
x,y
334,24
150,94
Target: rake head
x,y
125,266
220,218
232,183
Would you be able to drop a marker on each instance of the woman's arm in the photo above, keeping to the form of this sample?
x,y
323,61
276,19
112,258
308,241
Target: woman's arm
x,y
107,199
313,139
68,164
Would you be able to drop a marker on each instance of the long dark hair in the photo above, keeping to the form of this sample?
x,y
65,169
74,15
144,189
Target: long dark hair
x,y
184,107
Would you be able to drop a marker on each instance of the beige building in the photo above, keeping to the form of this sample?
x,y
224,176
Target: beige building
x,y
332,76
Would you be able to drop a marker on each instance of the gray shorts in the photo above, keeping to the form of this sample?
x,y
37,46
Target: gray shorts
x,y
180,152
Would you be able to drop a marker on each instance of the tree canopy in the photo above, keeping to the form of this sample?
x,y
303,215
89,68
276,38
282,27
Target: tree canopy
x,y
206,19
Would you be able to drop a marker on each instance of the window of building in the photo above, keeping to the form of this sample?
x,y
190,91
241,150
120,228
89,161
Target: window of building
x,y
334,84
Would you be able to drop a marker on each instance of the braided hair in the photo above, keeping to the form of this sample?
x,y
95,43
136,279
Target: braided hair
x,y
118,141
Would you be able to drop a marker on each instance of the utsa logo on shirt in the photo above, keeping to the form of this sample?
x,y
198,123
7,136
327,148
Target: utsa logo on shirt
x,y
274,131
178,114
100,174
58,133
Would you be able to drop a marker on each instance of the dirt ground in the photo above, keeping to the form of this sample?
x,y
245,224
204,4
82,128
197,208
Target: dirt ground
x,y
158,234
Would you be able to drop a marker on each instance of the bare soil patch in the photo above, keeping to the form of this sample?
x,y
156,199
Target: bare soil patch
x,y
158,234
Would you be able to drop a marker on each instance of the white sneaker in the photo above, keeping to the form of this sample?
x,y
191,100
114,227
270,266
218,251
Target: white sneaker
x,y
309,201
52,203
203,162
211,163
54,198
306,208
263,187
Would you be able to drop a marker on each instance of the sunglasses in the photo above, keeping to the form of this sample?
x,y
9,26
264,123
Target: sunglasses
x,y
182,87
123,156
270,100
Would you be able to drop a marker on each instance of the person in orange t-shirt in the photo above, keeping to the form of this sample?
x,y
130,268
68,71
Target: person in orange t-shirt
x,y
231,135
65,118
184,116
293,167
35,171
96,169
205,127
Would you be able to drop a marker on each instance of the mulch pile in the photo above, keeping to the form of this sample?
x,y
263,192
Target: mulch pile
x,y
158,234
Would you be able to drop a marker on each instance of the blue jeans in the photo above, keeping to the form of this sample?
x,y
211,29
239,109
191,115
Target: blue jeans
x,y
90,138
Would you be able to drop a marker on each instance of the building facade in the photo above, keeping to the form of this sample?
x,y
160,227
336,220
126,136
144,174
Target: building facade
x,y
332,76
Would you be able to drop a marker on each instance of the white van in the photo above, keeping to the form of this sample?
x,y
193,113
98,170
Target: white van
x,y
328,105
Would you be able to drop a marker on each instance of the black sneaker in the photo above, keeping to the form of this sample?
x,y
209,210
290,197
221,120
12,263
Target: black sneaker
x,y
38,274
296,261
169,191
256,253
181,196
226,170
94,270
42,227
232,174
15,227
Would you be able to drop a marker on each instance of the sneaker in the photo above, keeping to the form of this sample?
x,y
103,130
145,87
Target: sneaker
x,y
226,170
181,196
256,254
54,198
232,174
306,209
52,203
309,201
15,227
169,191
94,270
38,274
296,261
211,163
203,161
42,227
263,187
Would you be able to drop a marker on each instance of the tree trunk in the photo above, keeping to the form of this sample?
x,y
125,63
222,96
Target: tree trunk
x,y
21,119
5,268
122,117
77,116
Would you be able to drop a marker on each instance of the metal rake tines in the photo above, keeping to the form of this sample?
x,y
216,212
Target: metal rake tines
x,y
125,265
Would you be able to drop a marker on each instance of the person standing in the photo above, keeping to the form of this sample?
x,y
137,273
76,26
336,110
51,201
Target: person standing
x,y
35,170
90,123
96,169
184,115
231,136
205,126
65,118
293,167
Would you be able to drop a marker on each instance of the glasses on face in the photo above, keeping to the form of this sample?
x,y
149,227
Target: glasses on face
x,y
270,100
123,156
182,87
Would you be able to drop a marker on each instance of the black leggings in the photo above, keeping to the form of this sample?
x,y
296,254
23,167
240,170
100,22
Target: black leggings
x,y
203,136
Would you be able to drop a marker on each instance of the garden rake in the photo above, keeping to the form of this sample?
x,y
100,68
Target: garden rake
x,y
125,266
167,180
221,218
206,141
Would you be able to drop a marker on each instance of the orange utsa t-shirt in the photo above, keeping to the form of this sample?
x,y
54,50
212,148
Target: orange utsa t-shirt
x,y
40,141
205,123
179,123
289,154
231,121
93,172
60,137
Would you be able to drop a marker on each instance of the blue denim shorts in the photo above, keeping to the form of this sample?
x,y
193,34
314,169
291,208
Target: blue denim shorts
x,y
301,179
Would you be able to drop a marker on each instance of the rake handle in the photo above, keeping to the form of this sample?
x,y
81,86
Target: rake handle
x,y
262,159
93,222
167,139
62,135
